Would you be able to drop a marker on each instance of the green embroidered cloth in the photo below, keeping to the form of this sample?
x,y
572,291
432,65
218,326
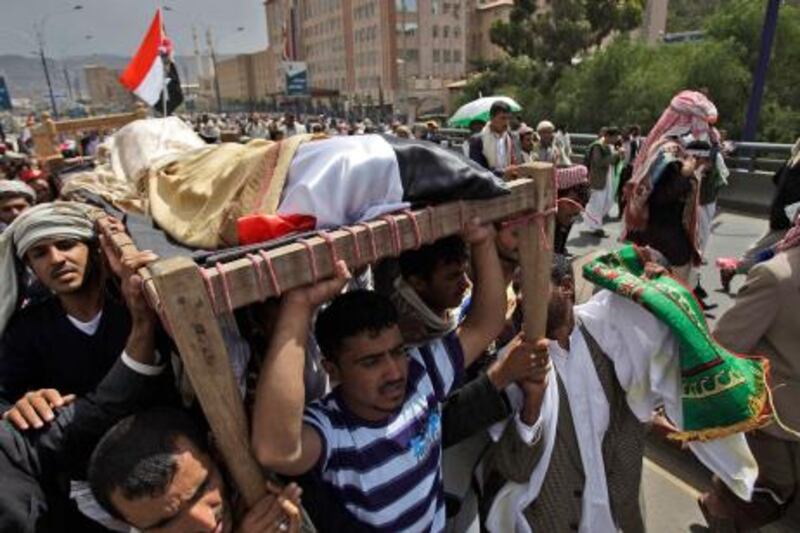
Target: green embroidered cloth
x,y
722,393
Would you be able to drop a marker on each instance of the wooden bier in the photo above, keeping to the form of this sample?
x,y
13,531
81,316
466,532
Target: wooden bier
x,y
185,295
536,250
45,135
292,263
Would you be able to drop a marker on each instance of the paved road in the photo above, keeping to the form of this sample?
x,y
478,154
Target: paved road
x,y
673,479
732,233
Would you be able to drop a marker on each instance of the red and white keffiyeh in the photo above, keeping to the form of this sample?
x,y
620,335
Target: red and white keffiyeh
x,y
688,112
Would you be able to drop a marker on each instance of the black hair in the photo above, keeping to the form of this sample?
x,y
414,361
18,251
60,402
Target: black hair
x,y
499,107
611,130
580,193
423,261
350,314
558,306
698,145
137,455
561,269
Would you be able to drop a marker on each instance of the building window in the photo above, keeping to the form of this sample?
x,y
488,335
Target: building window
x,y
435,7
436,57
409,27
446,32
435,31
408,6
456,56
411,55
445,56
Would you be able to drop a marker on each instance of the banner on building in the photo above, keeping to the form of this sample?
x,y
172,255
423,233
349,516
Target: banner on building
x,y
296,78
5,96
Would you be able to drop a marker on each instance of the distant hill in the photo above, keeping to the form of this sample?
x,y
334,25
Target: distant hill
x,y
25,76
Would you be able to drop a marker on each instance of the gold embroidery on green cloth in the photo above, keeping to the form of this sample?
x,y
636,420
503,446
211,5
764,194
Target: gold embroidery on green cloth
x,y
722,392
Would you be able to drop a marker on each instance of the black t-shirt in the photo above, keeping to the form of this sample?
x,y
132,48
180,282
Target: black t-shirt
x,y
787,192
41,348
665,231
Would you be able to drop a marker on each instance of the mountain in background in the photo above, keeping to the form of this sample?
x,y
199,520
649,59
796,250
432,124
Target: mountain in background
x,y
25,76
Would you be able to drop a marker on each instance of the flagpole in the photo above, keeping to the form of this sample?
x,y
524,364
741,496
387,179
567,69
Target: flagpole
x,y
164,88
164,65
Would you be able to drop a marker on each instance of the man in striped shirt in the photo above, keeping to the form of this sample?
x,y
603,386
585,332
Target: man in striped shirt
x,y
375,441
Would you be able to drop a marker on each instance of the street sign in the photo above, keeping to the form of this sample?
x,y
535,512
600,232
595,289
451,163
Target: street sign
x,y
5,96
296,78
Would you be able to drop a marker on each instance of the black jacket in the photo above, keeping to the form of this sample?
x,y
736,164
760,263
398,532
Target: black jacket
x,y
36,465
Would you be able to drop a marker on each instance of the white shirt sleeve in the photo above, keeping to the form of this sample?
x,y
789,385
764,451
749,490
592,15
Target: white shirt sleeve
x,y
141,368
529,434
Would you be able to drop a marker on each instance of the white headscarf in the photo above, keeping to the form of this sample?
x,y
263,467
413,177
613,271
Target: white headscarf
x,y
17,188
56,220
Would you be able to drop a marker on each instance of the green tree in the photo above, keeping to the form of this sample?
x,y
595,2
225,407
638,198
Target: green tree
x,y
628,81
556,35
742,24
688,15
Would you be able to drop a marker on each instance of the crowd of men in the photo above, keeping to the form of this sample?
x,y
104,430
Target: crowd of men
x,y
430,406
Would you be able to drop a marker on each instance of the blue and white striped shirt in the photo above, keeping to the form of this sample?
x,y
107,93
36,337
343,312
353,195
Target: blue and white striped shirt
x,y
388,474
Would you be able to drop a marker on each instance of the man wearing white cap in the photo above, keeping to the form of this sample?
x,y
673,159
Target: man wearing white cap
x,y
546,149
526,143
15,197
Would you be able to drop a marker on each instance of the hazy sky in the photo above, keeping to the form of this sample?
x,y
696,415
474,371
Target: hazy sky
x,y
117,26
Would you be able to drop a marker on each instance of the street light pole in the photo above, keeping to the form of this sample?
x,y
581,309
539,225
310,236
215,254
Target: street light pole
x,y
760,76
64,53
40,41
213,54
210,43
53,107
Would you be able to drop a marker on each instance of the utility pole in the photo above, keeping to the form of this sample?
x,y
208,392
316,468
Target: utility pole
x,y
39,31
210,43
197,59
760,76
40,42
69,84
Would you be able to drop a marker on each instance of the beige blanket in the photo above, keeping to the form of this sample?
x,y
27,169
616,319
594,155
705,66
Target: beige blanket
x,y
198,196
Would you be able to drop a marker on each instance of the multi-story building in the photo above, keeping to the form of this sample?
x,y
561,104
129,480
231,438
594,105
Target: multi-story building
x,y
372,52
105,90
483,14
324,42
233,75
245,78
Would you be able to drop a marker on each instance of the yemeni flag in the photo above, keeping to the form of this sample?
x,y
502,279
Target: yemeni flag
x,y
151,75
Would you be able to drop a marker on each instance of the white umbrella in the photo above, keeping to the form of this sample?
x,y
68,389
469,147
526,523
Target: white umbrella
x,y
479,110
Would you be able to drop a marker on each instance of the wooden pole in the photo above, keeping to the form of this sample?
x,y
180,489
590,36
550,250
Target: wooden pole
x,y
536,251
199,339
194,327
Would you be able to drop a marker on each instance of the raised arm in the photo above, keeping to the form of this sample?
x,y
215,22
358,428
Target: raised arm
x,y
280,440
486,316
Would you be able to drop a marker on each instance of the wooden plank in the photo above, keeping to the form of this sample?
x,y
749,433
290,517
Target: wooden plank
x,y
536,252
197,334
292,263
45,144
45,136
100,122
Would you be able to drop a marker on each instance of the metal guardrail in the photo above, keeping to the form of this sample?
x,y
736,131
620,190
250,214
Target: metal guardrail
x,y
752,166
